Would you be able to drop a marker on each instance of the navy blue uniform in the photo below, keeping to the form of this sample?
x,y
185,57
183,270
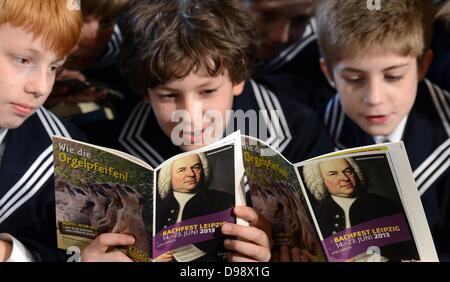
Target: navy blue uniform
x,y
27,191
298,135
427,142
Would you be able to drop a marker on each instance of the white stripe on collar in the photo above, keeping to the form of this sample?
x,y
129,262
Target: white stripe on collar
x,y
30,182
441,102
38,173
3,132
274,118
52,124
437,162
432,167
131,135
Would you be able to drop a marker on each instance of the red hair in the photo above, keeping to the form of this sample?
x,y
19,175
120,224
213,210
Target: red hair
x,y
51,19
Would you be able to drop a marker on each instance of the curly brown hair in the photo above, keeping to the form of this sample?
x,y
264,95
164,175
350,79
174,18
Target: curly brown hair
x,y
167,39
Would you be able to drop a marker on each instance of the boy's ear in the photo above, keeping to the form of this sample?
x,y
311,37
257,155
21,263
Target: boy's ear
x,y
327,72
147,96
425,64
238,88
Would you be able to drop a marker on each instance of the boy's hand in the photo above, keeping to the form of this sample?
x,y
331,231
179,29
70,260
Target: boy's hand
x,y
5,250
252,242
166,257
101,249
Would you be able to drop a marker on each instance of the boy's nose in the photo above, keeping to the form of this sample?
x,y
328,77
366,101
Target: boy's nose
x,y
38,83
374,94
194,108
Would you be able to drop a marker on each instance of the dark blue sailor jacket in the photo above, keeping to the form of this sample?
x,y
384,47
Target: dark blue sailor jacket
x,y
27,193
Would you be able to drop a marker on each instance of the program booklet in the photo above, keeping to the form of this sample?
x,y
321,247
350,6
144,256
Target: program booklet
x,y
359,204
174,211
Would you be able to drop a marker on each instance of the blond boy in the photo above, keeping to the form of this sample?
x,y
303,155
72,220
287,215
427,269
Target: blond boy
x,y
377,60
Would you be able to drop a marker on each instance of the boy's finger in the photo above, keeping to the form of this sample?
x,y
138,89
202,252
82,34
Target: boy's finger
x,y
253,217
247,233
246,213
106,240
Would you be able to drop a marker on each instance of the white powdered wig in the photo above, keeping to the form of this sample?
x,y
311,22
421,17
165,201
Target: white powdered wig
x,y
165,176
314,180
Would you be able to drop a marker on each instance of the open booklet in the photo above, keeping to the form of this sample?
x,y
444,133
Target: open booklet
x,y
174,211
359,204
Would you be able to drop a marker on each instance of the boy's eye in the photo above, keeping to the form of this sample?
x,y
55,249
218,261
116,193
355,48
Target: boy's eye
x,y
167,96
55,68
209,91
21,60
354,79
393,77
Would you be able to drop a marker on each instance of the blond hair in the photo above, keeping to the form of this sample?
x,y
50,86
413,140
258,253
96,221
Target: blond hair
x,y
443,12
51,19
349,28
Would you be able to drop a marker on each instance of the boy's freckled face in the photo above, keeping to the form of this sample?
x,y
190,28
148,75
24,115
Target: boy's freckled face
x,y
195,95
377,91
27,74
